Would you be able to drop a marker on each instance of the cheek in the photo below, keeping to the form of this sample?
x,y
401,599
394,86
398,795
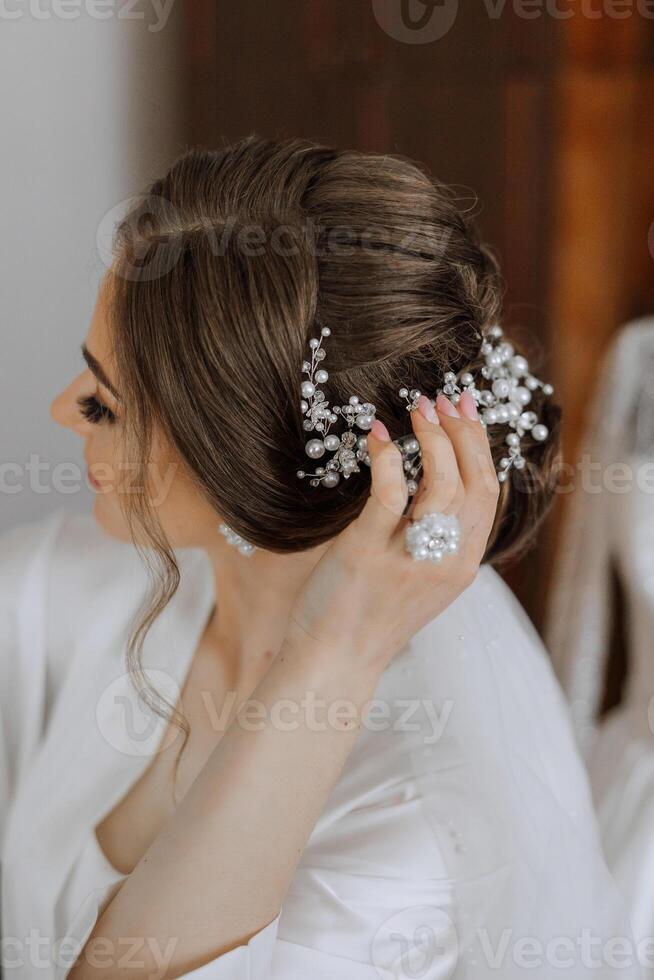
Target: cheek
x,y
184,513
104,456
166,485
182,510
116,475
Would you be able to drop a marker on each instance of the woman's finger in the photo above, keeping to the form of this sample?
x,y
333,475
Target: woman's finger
x,y
389,493
470,443
440,486
477,468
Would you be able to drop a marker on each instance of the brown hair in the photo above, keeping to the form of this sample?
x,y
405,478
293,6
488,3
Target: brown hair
x,y
223,271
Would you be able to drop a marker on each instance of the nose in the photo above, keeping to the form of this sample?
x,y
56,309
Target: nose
x,y
64,408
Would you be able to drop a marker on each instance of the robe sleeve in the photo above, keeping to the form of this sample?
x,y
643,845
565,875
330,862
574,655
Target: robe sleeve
x,y
251,961
371,898
352,911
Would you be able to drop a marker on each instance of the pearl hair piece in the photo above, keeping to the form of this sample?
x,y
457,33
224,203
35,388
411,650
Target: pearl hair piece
x,y
504,402
349,448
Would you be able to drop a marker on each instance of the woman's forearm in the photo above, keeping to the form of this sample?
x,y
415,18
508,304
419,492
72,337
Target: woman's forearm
x,y
218,871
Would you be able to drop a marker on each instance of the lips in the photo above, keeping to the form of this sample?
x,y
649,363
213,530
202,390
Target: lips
x,y
92,480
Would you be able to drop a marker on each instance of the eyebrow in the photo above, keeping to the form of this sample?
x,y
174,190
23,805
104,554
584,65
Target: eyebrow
x,y
98,371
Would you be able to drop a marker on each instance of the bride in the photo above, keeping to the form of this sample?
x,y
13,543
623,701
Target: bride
x,y
270,712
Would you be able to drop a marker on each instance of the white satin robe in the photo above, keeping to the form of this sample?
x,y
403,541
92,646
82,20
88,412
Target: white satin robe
x,y
460,829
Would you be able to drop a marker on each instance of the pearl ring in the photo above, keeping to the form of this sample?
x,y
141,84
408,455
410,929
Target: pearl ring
x,y
433,536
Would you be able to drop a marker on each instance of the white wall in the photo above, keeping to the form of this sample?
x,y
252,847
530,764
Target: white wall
x,y
90,113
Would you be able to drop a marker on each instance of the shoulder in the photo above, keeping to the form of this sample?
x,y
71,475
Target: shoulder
x,y
463,766
62,579
67,540
485,654
88,567
50,572
22,548
468,710
487,622
78,561
54,565
474,656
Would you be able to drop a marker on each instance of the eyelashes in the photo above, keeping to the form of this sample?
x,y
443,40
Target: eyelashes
x,y
95,411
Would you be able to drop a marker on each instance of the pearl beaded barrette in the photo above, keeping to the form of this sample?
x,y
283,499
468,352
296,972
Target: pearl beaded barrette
x,y
504,402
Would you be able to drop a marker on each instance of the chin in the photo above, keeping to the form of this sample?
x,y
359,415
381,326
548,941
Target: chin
x,y
109,517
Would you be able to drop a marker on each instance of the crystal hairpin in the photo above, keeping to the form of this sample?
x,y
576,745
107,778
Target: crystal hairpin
x,y
349,449
505,401
502,403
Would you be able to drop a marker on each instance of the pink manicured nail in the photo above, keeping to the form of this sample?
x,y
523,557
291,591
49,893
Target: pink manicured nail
x,y
426,409
380,431
445,406
468,405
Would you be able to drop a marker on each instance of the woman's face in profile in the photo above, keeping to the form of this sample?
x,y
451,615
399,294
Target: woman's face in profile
x,y
92,408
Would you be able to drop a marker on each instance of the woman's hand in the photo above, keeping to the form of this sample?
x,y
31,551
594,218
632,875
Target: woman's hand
x,y
367,595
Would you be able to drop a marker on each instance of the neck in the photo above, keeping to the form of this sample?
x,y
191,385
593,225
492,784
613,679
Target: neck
x,y
254,599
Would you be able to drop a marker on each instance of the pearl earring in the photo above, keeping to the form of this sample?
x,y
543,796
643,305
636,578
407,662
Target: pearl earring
x,y
232,537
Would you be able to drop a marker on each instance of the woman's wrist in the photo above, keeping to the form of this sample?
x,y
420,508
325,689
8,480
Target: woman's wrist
x,y
345,665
